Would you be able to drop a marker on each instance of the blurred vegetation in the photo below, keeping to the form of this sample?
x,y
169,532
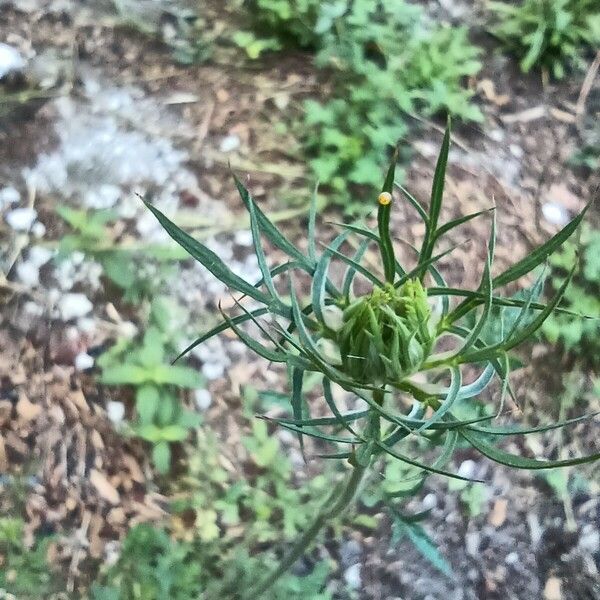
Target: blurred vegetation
x,y
548,34
578,336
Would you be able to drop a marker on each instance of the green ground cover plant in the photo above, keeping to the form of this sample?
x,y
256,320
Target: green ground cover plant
x,y
548,34
144,365
24,572
385,347
387,61
580,337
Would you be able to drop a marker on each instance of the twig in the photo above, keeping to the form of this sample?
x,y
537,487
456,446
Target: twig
x,y
586,86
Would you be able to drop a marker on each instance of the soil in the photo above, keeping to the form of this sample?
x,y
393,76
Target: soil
x,y
517,543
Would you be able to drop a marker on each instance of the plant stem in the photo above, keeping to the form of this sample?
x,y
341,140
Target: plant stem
x,y
341,497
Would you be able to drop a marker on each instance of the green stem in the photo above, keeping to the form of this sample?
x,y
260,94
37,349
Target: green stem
x,y
342,496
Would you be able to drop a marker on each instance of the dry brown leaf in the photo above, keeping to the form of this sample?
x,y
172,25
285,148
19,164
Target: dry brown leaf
x,y
525,116
489,91
497,516
552,589
3,458
27,410
104,487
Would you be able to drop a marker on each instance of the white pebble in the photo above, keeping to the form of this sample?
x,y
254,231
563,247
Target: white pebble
x,y
555,213
115,411
213,370
73,306
9,195
38,230
83,361
352,576
28,274
229,143
10,60
467,469
516,151
590,539
21,219
243,237
429,502
512,558
202,399
39,255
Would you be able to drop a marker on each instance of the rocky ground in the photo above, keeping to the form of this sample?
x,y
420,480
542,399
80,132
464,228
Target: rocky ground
x,y
111,116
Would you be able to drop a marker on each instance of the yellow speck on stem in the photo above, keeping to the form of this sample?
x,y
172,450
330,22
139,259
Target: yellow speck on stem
x,y
384,198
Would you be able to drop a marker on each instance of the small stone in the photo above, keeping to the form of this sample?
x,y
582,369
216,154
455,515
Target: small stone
x,y
555,213
229,143
104,488
352,577
21,219
590,539
8,195
472,540
552,589
497,135
467,469
202,399
350,552
28,274
73,306
83,361
243,237
213,370
10,60
38,230
429,502
516,151
115,411
512,558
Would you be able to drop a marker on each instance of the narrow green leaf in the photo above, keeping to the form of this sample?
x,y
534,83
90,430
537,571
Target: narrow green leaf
x,y
297,401
327,393
320,276
356,266
521,462
312,219
416,463
270,231
207,258
415,203
351,271
459,221
224,326
437,193
260,254
453,390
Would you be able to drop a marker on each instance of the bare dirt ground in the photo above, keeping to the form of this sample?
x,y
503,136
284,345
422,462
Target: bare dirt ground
x,y
86,483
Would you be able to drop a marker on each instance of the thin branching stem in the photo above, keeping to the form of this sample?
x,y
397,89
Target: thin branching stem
x,y
341,497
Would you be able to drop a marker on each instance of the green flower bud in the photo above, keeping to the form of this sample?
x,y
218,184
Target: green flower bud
x,y
385,336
